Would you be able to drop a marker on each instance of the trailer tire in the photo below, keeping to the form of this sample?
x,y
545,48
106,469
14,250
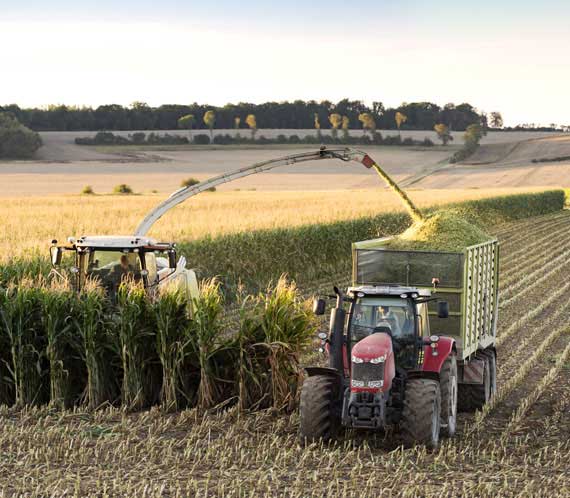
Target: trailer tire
x,y
448,386
318,409
491,356
421,417
474,397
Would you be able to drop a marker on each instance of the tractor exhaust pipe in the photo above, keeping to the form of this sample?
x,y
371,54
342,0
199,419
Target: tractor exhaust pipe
x,y
336,339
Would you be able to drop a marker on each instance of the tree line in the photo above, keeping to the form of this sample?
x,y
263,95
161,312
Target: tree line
x,y
346,114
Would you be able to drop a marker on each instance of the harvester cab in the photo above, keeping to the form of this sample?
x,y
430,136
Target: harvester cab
x,y
111,260
384,367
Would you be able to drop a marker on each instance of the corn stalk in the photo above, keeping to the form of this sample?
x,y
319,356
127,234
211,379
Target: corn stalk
x,y
170,311
91,325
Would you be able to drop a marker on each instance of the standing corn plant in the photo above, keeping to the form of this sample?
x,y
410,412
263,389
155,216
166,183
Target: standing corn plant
x,y
135,330
21,316
274,332
252,374
171,314
91,325
58,305
6,381
288,325
204,339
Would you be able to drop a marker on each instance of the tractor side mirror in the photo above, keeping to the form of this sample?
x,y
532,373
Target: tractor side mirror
x,y
172,259
56,255
319,306
443,309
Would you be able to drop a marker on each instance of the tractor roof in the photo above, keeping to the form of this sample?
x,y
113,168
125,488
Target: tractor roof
x,y
117,242
389,290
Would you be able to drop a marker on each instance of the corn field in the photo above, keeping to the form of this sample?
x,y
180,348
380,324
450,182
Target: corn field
x,y
69,350
207,408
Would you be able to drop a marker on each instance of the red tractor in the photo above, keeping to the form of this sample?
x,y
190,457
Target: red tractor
x,y
417,343
384,368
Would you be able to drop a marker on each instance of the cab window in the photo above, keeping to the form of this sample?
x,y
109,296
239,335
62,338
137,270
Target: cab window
x,y
391,315
111,268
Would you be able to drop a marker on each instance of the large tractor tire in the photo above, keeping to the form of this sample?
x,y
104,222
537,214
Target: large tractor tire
x,y
318,409
421,417
474,397
491,356
448,387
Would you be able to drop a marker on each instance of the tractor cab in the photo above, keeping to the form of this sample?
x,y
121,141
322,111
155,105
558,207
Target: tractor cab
x,y
111,260
399,312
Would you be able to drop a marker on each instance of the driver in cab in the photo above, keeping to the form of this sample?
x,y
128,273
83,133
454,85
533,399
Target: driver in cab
x,y
122,271
385,317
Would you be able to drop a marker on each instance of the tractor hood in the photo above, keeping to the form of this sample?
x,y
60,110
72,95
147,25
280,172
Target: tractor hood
x,y
373,346
373,367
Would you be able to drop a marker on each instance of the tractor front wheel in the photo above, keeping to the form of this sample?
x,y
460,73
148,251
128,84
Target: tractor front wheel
x,y
421,417
318,408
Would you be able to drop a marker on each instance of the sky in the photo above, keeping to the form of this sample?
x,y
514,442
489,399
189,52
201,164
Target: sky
x,y
508,56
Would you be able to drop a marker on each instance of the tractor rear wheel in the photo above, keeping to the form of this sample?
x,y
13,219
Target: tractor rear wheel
x,y
318,408
421,417
448,388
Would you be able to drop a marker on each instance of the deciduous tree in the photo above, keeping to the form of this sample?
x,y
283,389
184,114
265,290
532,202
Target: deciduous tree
x,y
210,121
400,118
335,121
443,133
252,123
496,120
368,122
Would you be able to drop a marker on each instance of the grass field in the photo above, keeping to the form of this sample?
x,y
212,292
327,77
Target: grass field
x,y
31,223
518,446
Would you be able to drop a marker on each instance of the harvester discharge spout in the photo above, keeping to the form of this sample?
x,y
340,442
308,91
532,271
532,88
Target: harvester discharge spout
x,y
345,154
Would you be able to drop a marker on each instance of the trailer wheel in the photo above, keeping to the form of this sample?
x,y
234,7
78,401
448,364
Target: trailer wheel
x,y
421,417
490,354
474,397
448,387
318,409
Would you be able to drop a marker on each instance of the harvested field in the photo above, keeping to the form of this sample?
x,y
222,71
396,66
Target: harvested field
x,y
504,160
534,161
518,446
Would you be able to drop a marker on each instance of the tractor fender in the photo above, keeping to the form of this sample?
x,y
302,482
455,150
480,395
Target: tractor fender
x,y
313,371
344,358
434,362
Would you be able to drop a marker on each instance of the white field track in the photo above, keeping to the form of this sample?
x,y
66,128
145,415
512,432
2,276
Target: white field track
x,y
503,161
518,446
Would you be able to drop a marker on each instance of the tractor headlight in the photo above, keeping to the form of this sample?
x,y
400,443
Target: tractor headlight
x,y
380,359
357,383
356,359
376,383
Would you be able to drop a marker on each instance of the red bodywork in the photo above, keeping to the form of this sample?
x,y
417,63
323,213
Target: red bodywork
x,y
443,347
374,346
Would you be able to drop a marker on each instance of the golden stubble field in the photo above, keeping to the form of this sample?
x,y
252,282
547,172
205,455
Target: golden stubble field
x,y
32,222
